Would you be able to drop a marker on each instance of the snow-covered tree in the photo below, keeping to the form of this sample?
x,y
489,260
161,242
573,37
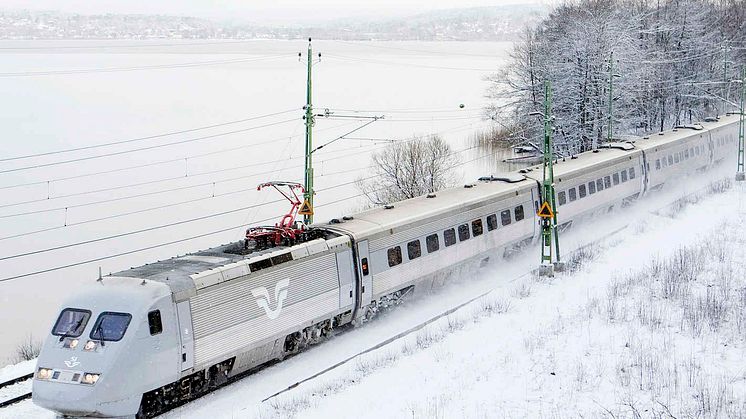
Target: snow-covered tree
x,y
667,68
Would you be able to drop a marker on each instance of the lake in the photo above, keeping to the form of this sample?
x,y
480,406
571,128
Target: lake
x,y
234,112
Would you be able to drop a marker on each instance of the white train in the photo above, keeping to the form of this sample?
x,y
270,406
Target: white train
x,y
144,340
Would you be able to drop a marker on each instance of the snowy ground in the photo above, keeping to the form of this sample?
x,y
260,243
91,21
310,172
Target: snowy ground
x,y
653,327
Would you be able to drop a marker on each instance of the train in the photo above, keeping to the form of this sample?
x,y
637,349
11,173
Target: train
x,y
141,341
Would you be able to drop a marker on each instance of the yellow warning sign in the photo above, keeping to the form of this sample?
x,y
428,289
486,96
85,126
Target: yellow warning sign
x,y
305,208
545,211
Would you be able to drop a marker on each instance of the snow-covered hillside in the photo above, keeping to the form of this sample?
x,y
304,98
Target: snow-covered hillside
x,y
653,327
650,324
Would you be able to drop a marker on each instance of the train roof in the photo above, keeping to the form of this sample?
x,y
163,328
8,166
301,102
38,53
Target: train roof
x,y
404,212
187,274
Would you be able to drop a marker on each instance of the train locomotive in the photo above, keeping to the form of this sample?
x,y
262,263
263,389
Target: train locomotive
x,y
141,341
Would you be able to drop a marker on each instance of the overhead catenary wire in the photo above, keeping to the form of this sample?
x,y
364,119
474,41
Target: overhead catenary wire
x,y
211,233
176,189
160,162
140,195
206,184
139,166
151,147
186,221
145,138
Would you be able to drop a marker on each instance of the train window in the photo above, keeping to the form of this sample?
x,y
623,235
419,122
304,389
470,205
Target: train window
x,y
663,162
562,198
676,158
600,185
491,222
432,242
657,164
582,191
463,232
394,256
71,322
624,176
691,152
615,176
572,194
670,160
696,150
519,214
414,249
449,236
282,258
476,228
364,266
607,182
110,326
505,217
262,264
154,322
686,154
591,187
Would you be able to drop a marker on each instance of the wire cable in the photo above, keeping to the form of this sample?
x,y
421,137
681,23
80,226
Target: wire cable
x,y
160,162
119,153
139,195
190,220
149,137
142,249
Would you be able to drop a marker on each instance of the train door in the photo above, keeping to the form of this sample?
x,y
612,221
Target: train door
x,y
537,201
184,313
345,266
366,278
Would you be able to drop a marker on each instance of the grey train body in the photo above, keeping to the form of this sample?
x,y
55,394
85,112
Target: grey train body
x,y
198,320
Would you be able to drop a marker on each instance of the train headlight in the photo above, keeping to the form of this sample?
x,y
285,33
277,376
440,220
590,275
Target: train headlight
x,y
90,345
90,378
74,343
44,374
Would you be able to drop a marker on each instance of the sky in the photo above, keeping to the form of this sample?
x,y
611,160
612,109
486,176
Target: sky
x,y
256,10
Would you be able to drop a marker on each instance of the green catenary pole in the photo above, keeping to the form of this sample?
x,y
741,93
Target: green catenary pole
x,y
611,97
725,78
741,127
549,231
309,138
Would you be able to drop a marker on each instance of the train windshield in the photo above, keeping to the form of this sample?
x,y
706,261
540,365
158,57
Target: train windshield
x,y
71,322
110,326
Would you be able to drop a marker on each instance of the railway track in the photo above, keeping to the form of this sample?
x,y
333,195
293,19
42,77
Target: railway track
x,y
15,398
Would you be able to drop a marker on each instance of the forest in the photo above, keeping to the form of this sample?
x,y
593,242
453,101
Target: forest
x,y
621,68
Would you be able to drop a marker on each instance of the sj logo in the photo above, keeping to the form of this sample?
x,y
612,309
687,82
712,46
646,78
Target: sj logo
x,y
262,298
72,362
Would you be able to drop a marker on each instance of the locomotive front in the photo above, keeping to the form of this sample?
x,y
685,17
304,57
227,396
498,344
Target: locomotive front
x,y
106,348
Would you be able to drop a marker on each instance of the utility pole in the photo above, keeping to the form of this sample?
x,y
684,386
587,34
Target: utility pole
x,y
310,120
611,96
725,77
740,175
550,255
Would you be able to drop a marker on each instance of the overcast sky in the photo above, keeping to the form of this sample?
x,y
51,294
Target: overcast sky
x,y
276,10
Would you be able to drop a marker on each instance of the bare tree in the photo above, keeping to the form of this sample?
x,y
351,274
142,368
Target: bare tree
x,y
28,349
409,169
